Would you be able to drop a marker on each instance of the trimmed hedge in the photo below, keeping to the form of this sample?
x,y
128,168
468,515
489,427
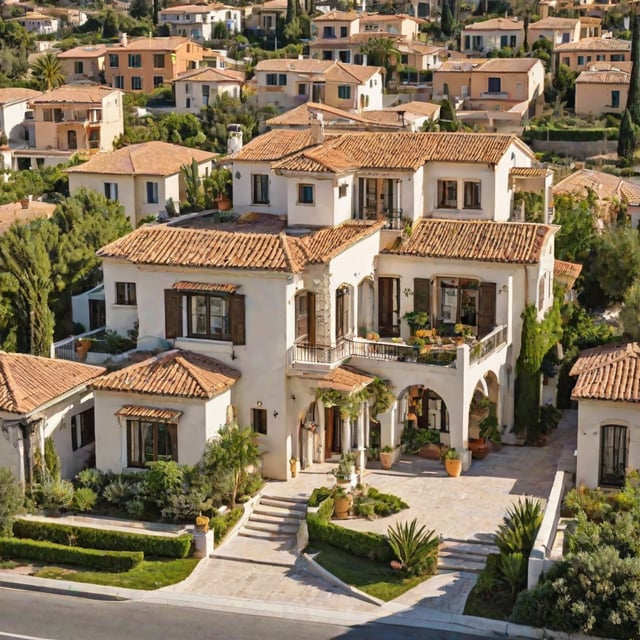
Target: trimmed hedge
x,y
362,544
570,135
221,525
150,545
61,554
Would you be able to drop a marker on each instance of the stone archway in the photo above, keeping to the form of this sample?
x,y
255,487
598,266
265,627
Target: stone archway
x,y
423,408
486,392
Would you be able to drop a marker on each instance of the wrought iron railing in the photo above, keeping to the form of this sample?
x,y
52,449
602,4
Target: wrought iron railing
x,y
488,344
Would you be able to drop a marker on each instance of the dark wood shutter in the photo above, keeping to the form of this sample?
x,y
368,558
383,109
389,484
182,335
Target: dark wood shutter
x,y
386,307
486,308
172,314
237,320
311,318
422,295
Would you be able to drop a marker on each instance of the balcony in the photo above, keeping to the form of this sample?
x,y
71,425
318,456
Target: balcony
x,y
494,95
392,217
93,347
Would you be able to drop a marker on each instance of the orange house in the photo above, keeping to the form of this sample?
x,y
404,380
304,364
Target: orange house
x,y
147,63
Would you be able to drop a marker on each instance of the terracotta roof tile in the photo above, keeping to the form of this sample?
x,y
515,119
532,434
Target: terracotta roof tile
x,y
349,73
606,186
346,378
608,76
192,8
479,240
418,107
209,74
332,16
609,372
529,172
151,413
211,287
214,248
168,43
553,22
146,158
15,94
274,145
79,93
595,44
302,115
568,269
317,160
182,374
28,382
508,65
15,212
84,51
496,24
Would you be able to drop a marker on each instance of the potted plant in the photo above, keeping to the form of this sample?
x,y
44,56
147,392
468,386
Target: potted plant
x,y
417,320
344,473
219,182
83,346
386,457
453,463
293,466
342,503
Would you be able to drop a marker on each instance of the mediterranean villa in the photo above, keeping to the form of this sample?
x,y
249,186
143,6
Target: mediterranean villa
x,y
281,313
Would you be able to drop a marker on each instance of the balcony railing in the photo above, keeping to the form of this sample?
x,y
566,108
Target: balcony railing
x,y
392,217
494,95
488,344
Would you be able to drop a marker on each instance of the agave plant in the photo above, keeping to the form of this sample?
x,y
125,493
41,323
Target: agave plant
x,y
512,567
519,528
415,548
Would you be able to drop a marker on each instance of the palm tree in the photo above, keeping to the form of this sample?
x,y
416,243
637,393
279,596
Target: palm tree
x,y
524,9
382,52
47,69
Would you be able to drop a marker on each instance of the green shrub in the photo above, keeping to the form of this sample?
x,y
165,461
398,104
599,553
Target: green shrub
x,y
489,576
163,546
92,479
84,499
162,481
62,554
386,503
415,548
326,509
318,495
364,508
570,135
11,500
222,524
519,528
592,502
359,543
53,494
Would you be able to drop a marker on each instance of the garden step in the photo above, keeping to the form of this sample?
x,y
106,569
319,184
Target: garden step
x,y
284,503
275,519
272,528
276,512
448,563
466,548
265,535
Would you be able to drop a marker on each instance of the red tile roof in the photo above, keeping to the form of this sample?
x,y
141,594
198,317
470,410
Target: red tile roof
x,y
176,373
28,382
150,413
480,240
345,378
610,372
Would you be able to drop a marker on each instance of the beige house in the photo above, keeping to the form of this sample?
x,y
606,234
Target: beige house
x,y
264,17
602,90
84,63
73,118
200,87
610,191
38,23
335,25
142,177
147,63
45,398
562,30
492,35
289,83
580,55
14,106
606,389
166,407
197,21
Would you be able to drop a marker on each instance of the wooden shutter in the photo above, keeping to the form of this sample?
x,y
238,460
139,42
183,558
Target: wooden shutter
x,y
422,295
172,314
311,318
237,319
486,308
386,307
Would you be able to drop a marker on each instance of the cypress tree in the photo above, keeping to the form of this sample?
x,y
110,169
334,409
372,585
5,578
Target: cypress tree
x,y
291,11
633,99
626,137
446,20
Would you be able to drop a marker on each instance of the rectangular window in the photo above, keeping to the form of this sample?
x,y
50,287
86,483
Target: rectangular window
x,y
613,454
447,194
158,81
472,195
126,293
114,60
512,41
467,42
111,190
600,57
344,32
342,190
615,99
272,79
260,188
344,92
78,66
47,115
119,82
152,193
389,306
209,317
135,61
149,441
282,79
83,430
617,57
504,41
136,83
305,194
494,85
328,32
158,60
580,61
302,89
259,421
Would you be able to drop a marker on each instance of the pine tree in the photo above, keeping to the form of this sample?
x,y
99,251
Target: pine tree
x,y
633,98
291,11
446,20
626,137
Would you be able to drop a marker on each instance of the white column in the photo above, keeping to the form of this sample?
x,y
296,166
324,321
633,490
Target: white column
x,y
321,432
346,435
362,458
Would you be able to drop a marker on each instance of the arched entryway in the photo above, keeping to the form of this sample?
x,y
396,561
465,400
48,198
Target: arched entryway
x,y
484,415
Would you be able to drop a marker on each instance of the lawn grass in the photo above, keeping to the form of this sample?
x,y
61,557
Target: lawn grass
x,y
497,607
374,578
149,574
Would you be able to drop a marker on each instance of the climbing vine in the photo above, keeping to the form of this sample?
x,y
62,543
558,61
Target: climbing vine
x,y
538,337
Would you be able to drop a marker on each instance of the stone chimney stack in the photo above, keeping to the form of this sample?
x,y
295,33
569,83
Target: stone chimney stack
x,y
124,40
317,128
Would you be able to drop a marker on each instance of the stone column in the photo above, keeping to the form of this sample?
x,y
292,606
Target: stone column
x,y
321,433
362,458
346,435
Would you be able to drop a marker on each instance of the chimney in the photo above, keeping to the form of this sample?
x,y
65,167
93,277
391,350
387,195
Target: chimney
x,y
317,129
234,138
124,41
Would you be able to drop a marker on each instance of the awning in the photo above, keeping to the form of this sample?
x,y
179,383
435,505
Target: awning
x,y
345,378
149,413
204,287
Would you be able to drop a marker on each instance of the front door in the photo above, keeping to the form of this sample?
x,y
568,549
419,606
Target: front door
x,y
72,140
613,455
332,431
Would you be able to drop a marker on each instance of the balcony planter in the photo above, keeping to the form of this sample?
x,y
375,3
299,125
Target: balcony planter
x,y
83,346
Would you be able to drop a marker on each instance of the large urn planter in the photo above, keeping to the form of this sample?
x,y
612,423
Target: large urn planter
x,y
431,451
342,503
479,447
386,457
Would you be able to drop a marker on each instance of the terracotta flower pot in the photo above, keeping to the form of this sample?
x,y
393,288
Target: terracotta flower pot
x,y
453,467
479,448
341,506
386,459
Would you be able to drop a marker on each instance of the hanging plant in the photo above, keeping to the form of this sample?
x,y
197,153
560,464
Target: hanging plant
x,y
329,397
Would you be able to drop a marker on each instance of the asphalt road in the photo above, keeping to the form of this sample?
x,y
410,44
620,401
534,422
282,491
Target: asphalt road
x,y
30,615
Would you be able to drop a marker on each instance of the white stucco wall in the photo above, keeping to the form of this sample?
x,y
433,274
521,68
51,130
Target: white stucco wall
x,y
11,118
95,181
242,188
592,415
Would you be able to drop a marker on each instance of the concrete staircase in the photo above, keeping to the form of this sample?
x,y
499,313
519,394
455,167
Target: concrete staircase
x,y
276,519
464,555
